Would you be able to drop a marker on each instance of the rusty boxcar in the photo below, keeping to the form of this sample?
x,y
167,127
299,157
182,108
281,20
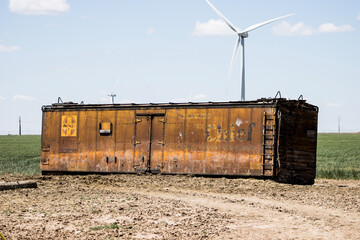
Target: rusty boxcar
x,y
272,138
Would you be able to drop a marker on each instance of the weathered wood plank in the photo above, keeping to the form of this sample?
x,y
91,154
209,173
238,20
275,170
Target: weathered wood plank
x,y
15,185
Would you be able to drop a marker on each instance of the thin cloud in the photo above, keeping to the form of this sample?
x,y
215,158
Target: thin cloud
x,y
333,104
211,27
358,17
22,97
199,97
12,48
287,29
150,31
2,98
330,27
38,7
179,100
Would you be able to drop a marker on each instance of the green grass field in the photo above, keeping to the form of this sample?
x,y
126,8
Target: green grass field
x,y
20,154
338,155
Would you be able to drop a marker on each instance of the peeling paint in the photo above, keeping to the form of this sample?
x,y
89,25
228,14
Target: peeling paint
x,y
238,122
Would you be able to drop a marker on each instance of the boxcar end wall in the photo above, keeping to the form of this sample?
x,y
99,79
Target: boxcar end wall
x,y
273,138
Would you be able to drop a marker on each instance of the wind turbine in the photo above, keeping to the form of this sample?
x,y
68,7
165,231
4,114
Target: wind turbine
x,y
112,94
240,42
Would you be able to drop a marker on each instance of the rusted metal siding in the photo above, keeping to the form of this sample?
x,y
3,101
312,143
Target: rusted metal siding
x,y
142,143
214,141
87,136
125,135
237,139
174,148
195,121
50,141
105,143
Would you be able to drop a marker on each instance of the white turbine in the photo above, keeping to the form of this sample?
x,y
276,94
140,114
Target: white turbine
x,y
112,95
240,41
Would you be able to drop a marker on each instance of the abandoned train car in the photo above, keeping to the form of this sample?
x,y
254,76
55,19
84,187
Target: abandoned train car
x,y
272,138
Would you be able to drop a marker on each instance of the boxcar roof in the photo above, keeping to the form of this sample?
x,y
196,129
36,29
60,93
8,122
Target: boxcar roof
x,y
256,103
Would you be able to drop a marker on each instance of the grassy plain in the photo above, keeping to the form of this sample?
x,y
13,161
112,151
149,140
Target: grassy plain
x,y
338,155
20,154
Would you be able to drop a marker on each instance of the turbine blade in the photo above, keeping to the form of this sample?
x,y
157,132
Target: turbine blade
x,y
236,50
112,91
264,23
232,26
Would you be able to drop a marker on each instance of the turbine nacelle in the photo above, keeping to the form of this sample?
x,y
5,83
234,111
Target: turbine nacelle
x,y
112,95
243,34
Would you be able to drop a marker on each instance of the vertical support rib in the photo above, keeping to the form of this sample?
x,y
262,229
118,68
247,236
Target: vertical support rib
x,y
151,118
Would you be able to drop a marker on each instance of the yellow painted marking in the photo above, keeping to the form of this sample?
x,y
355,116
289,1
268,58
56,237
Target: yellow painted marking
x,y
68,125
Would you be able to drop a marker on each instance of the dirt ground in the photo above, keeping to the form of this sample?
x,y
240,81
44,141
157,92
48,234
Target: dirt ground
x,y
178,207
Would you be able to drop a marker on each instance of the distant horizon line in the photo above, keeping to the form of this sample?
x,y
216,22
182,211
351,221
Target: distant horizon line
x,y
321,132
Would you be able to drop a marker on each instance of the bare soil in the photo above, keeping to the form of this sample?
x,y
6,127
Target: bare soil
x,y
178,207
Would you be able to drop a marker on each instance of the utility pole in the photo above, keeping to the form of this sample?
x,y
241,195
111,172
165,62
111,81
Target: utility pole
x,y
19,125
339,124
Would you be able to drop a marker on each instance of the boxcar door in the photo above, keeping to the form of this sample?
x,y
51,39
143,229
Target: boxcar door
x,y
68,142
142,143
105,142
157,144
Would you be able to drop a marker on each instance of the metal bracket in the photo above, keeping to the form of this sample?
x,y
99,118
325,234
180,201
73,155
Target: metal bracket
x,y
163,120
138,120
45,149
137,142
162,142
45,161
110,159
278,93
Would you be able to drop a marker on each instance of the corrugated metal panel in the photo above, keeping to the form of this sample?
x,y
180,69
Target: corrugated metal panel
x,y
125,135
174,148
87,140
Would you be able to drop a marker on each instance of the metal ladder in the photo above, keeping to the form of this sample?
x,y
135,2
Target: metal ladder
x,y
268,154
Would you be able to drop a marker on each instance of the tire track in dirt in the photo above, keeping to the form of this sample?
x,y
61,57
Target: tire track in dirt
x,y
256,218
178,207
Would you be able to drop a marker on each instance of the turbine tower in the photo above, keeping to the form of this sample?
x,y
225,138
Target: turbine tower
x,y
241,42
112,95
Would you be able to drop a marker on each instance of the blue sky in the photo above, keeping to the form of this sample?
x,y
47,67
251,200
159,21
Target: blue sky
x,y
176,51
